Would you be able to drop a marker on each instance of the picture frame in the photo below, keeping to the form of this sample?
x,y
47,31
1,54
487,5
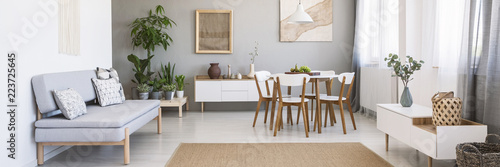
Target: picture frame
x,y
214,31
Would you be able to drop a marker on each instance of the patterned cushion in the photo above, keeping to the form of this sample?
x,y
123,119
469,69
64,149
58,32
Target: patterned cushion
x,y
103,73
108,91
70,103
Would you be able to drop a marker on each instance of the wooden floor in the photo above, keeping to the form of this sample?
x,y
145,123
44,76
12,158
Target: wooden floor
x,y
150,149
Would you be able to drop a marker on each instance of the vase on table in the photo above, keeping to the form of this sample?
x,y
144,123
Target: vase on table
x,y
214,71
406,99
252,71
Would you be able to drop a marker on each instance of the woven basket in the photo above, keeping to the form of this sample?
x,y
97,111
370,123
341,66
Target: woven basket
x,y
479,154
447,110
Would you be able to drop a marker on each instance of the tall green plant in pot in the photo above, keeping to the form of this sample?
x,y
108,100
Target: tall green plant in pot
x,y
149,32
180,85
404,71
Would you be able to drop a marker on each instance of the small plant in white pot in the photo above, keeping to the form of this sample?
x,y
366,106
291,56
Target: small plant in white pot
x,y
168,91
180,85
143,91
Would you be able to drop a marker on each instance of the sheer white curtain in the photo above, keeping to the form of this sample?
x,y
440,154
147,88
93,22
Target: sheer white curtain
x,y
376,35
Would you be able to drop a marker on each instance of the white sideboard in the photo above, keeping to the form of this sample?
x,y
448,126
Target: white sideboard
x,y
226,90
413,126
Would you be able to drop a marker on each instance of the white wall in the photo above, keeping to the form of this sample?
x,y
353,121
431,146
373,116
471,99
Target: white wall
x,y
39,55
254,20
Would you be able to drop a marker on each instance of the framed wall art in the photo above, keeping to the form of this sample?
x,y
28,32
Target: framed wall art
x,y
214,31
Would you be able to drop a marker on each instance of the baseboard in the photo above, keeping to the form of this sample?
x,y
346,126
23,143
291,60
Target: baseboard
x,y
48,155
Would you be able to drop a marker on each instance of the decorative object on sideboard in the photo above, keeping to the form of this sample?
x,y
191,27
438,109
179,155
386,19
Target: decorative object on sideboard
x,y
404,71
180,85
141,75
143,91
239,76
214,71
233,76
156,84
254,54
446,109
168,91
229,71
214,31
479,153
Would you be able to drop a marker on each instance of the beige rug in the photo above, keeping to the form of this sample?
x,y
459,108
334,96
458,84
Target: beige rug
x,y
274,154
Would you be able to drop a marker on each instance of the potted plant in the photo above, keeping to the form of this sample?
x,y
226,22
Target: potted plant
x,y
141,76
254,54
143,91
180,85
156,85
404,71
168,91
167,73
149,32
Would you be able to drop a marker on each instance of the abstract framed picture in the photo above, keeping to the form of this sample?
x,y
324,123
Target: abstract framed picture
x,y
321,11
214,31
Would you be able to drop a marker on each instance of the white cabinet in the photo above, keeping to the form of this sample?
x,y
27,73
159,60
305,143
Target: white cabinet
x,y
226,90
413,126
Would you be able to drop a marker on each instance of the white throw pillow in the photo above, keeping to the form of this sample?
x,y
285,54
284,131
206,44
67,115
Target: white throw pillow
x,y
70,103
103,73
108,91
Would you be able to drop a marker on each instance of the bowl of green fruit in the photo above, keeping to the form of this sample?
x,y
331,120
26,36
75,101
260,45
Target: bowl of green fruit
x,y
301,70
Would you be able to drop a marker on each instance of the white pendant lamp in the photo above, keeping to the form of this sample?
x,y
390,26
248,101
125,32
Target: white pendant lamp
x,y
300,16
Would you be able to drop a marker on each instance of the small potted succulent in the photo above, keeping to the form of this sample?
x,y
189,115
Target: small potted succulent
x,y
180,85
143,91
156,85
168,91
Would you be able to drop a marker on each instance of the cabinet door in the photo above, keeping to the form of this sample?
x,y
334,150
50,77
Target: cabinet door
x,y
396,125
208,91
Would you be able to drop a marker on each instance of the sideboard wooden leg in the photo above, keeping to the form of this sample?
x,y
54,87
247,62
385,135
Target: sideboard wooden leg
x,y
386,142
429,161
202,106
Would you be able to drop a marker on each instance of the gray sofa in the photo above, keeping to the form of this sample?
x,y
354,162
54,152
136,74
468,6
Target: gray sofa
x,y
109,125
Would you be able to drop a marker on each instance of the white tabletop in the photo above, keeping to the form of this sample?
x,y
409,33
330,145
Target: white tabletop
x,y
313,76
415,111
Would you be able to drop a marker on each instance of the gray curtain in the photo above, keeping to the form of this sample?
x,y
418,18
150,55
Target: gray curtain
x,y
479,82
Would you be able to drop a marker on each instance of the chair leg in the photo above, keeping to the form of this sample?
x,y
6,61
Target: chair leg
x,y
256,112
39,153
312,113
352,116
333,113
304,115
298,115
327,110
342,115
307,117
278,118
267,108
281,119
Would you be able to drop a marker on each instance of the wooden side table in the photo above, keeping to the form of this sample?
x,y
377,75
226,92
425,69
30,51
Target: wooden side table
x,y
176,102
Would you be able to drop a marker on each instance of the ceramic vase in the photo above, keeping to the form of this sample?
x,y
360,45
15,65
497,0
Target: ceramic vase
x,y
214,71
155,95
252,71
143,96
180,93
406,99
169,95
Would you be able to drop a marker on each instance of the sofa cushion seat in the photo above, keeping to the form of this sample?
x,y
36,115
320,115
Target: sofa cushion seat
x,y
114,116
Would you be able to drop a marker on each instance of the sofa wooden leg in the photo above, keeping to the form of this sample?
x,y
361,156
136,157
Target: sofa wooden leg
x,y
39,153
126,148
159,120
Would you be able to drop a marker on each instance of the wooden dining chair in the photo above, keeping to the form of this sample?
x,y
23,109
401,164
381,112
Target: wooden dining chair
x,y
312,96
300,102
262,76
344,78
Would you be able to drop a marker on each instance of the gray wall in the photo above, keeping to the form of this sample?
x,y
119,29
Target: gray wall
x,y
254,20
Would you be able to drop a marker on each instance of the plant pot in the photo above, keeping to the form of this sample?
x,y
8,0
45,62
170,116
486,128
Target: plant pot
x,y
252,71
169,95
406,99
135,93
143,96
180,93
155,95
214,71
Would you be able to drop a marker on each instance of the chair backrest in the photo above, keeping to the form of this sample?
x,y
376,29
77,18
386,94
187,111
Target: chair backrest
x,y
348,77
262,76
292,79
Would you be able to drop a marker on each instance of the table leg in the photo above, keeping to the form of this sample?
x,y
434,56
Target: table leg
x,y
429,161
273,106
289,108
187,104
386,142
180,111
318,106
